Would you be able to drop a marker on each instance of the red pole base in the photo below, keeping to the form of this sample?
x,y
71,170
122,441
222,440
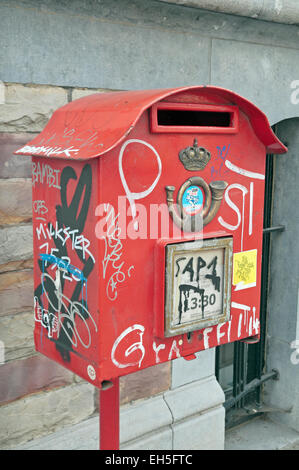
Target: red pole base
x,y
109,417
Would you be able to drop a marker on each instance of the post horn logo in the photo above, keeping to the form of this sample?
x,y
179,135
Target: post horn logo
x,y
193,222
194,158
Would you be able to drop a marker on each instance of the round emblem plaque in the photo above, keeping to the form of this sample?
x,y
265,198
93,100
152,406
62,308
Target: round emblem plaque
x,y
192,200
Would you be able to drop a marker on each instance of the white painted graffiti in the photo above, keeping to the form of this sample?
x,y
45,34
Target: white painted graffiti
x,y
47,151
250,321
62,308
248,325
157,349
79,242
243,171
44,173
132,197
137,345
113,254
240,214
233,206
40,208
134,337
174,350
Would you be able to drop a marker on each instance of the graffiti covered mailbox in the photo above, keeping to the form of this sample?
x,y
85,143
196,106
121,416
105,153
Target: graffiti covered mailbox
x,y
147,223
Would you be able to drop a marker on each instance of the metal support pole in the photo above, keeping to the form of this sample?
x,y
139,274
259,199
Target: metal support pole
x,y
274,374
109,415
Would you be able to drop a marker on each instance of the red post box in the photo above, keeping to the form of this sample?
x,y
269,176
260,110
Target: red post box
x,y
147,223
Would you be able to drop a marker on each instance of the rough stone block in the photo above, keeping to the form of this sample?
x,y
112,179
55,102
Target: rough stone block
x,y
145,383
16,292
27,108
14,166
16,265
31,375
16,333
16,243
15,201
43,413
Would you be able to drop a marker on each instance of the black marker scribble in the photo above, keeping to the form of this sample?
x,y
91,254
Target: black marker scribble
x,y
68,215
185,290
213,277
186,300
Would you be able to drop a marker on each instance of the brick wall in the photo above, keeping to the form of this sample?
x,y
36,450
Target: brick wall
x,y
37,396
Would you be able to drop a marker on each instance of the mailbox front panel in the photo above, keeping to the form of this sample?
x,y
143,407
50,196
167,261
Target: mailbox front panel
x,y
157,312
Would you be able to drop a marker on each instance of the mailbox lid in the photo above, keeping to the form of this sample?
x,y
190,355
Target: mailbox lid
x,y
91,126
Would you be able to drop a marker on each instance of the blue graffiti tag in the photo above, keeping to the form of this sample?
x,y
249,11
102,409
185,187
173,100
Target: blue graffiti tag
x,y
222,153
63,265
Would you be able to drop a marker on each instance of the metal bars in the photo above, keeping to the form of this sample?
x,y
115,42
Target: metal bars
x,y
249,359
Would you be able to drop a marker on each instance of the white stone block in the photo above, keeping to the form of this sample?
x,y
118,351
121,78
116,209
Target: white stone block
x,y
194,398
144,417
201,432
184,372
159,440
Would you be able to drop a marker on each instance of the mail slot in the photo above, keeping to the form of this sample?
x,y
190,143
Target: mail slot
x,y
147,223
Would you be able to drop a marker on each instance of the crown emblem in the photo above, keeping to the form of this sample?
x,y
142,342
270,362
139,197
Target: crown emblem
x,y
194,158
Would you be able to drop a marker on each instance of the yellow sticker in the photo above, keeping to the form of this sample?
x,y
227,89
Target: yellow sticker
x,y
244,273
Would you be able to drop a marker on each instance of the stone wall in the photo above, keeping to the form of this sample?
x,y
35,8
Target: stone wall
x,y
121,44
37,396
283,329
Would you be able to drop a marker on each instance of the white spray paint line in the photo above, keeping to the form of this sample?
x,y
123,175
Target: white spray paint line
x,y
250,207
242,286
250,327
240,306
242,171
135,196
174,349
256,321
235,208
206,337
245,309
228,330
219,333
157,349
240,325
243,212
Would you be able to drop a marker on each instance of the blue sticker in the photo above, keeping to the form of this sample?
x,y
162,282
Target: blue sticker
x,y
192,200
